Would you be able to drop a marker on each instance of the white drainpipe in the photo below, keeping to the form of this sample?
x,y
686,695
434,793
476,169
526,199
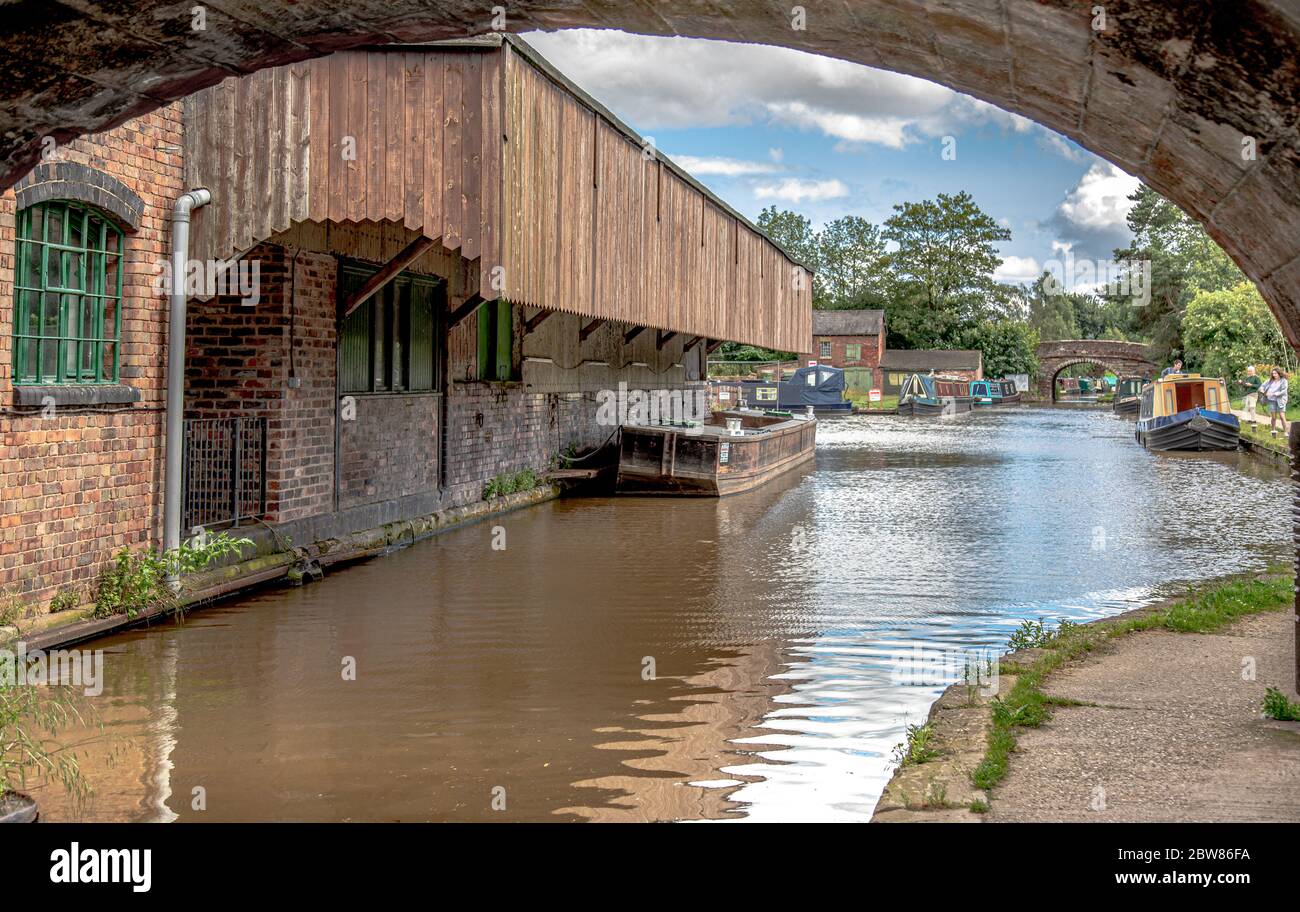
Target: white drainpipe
x,y
175,444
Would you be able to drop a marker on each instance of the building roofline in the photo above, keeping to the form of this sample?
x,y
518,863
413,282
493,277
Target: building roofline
x,y
493,40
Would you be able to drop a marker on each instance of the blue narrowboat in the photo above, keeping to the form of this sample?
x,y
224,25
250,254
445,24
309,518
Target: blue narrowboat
x,y
984,393
923,395
1186,412
818,385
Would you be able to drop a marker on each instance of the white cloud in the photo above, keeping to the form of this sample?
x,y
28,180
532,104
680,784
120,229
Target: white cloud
x,y
670,83
776,154
1099,202
795,190
1018,269
725,167
1062,147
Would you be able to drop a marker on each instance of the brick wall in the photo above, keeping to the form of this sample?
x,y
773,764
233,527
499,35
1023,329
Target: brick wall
x,y
873,348
496,429
81,482
240,361
390,449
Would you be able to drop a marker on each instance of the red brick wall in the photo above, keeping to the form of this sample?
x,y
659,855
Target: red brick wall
x,y
238,363
873,348
85,481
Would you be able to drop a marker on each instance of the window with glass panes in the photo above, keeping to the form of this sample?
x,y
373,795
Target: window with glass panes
x,y
67,295
389,343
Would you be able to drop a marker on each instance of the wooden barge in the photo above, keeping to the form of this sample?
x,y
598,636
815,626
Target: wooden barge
x,y
730,452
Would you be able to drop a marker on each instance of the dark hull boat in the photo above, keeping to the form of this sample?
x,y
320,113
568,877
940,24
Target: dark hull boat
x,y
1128,396
1186,412
715,458
1127,406
922,396
1195,429
985,393
916,408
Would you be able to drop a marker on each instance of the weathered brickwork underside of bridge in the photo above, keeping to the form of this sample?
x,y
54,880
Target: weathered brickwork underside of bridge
x,y
1169,90
1124,358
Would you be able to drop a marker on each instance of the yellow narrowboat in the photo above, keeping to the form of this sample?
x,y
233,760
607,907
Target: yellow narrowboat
x,y
1186,412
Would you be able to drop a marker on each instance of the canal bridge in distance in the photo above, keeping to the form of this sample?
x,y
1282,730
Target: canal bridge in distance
x,y
1123,358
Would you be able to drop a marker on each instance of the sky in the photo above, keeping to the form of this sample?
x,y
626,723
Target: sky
x,y
767,126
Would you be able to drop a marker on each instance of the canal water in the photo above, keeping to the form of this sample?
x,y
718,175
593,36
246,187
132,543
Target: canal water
x,y
751,658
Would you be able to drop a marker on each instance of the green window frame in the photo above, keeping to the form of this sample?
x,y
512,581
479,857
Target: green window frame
x,y
496,339
389,344
853,353
67,295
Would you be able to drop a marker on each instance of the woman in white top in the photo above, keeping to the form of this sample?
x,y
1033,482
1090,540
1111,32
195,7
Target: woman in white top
x,y
1274,392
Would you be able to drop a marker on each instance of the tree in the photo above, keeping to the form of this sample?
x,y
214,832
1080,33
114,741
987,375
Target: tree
x,y
1008,346
854,266
943,267
1183,260
1226,330
1051,315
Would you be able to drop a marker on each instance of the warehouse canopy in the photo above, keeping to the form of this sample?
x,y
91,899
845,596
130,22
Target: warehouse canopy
x,y
483,147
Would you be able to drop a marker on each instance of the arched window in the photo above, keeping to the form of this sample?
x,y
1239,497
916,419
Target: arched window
x,y
67,295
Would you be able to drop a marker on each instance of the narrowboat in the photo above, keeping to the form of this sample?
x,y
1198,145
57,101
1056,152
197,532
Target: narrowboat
x,y
818,385
729,452
1128,396
984,393
923,395
1186,412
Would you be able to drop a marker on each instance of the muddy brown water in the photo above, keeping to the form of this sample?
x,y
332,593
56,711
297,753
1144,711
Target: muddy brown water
x,y
751,658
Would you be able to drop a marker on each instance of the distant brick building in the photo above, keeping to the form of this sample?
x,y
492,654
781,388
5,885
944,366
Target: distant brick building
x,y
849,339
897,363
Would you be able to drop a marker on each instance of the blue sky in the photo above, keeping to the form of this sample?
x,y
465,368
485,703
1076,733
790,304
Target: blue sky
x,y
772,126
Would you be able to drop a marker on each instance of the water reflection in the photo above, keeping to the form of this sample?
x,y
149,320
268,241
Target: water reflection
x,y
773,620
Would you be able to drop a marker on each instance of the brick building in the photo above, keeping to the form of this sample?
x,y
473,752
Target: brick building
x,y
853,340
452,248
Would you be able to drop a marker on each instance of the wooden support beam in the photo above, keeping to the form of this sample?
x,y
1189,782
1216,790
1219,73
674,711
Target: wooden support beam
x,y
714,345
632,333
691,343
410,253
663,339
472,303
536,321
589,329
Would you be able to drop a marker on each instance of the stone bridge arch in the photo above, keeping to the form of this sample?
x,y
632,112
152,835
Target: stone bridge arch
x,y
1199,99
1124,358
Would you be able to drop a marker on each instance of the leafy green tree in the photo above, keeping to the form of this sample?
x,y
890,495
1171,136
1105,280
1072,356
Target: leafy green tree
x,y
1051,315
1184,260
854,265
943,268
1226,330
1008,346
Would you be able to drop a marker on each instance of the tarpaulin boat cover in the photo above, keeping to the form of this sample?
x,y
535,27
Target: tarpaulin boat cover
x,y
818,386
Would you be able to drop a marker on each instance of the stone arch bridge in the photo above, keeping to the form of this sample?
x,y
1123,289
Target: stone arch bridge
x,y
1124,358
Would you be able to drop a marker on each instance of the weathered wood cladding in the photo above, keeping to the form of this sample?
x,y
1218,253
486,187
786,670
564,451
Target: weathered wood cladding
x,y
359,136
598,225
484,148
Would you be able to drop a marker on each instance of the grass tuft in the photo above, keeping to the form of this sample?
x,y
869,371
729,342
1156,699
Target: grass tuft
x,y
1277,706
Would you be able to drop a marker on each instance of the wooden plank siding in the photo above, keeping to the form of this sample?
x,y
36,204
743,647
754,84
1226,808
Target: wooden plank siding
x,y
481,146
